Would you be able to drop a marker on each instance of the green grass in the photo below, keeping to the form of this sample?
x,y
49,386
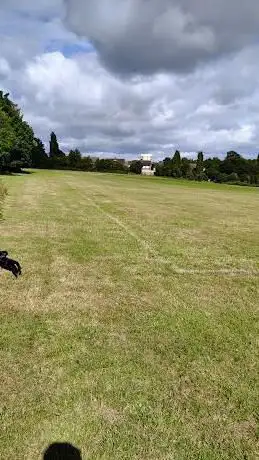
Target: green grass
x,y
133,332
3,192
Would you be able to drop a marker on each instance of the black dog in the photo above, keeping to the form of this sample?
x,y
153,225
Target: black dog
x,y
62,451
10,264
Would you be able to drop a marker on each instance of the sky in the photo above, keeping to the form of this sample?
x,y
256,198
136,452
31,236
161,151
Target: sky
x,y
124,77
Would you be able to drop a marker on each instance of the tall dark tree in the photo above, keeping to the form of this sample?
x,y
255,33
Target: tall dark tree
x,y
200,164
177,159
53,146
39,156
176,164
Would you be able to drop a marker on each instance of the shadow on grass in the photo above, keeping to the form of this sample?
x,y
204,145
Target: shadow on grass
x,y
26,172
16,173
62,451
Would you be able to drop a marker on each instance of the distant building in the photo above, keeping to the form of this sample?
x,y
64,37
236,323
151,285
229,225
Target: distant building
x,y
147,165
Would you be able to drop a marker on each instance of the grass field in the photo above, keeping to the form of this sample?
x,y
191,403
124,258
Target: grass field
x,y
133,332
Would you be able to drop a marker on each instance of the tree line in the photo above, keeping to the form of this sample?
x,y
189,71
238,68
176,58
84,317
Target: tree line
x,y
57,159
232,169
19,148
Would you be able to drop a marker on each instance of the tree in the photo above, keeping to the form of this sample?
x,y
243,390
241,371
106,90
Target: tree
x,y
233,169
200,164
177,159
39,156
185,166
176,165
159,169
167,167
74,158
253,166
233,177
235,163
212,173
86,164
136,167
7,133
232,155
16,136
53,146
61,162
222,177
212,168
118,166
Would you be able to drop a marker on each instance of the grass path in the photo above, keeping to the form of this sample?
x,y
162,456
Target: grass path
x,y
133,332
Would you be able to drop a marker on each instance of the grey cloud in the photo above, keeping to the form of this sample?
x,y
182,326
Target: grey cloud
x,y
101,113
147,36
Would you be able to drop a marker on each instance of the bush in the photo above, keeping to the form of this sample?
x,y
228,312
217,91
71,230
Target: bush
x,y
222,177
177,173
212,173
233,177
245,178
190,175
201,177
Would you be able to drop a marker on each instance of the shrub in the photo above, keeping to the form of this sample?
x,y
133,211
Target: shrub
x,y
222,177
233,177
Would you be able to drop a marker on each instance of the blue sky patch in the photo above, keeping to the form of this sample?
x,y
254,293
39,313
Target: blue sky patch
x,y
69,49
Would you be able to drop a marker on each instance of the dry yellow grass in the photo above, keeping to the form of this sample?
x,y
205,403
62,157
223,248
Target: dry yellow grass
x,y
133,330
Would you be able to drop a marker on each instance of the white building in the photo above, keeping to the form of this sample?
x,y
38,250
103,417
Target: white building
x,y
146,160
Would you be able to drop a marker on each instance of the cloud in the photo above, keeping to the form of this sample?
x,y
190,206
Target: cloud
x,y
28,28
95,101
140,36
94,110
4,68
46,8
